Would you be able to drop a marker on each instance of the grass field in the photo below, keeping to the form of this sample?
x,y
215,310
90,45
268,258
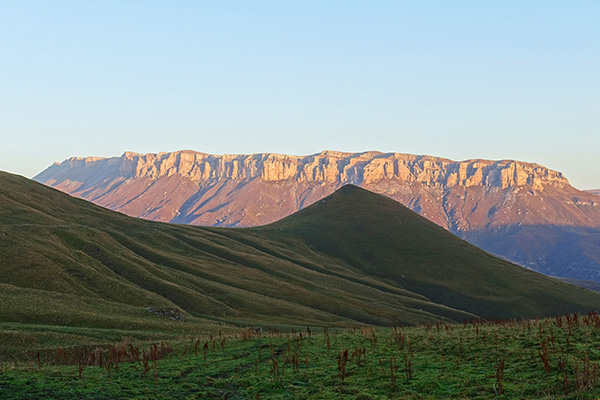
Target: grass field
x,y
528,359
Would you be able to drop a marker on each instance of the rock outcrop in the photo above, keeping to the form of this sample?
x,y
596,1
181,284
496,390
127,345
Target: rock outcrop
x,y
328,167
486,202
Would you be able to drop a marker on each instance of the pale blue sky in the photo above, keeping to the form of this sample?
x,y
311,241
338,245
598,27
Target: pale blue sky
x,y
459,79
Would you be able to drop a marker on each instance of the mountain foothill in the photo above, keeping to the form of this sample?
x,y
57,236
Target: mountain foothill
x,y
351,258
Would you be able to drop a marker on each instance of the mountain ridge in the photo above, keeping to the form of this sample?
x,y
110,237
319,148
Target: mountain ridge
x,y
326,166
496,205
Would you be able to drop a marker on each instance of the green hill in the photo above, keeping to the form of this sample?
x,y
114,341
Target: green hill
x,y
352,258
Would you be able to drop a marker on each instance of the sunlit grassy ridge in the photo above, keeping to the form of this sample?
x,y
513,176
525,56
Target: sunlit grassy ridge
x,y
354,258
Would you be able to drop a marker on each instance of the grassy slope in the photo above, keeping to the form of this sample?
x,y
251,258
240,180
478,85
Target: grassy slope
x,y
595,286
456,361
344,261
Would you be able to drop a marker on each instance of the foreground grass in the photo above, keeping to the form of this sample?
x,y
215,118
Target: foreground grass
x,y
555,358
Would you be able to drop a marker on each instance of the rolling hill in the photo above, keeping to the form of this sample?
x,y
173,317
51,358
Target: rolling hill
x,y
354,257
522,212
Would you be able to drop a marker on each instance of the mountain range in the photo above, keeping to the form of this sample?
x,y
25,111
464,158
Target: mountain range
x,y
353,257
522,212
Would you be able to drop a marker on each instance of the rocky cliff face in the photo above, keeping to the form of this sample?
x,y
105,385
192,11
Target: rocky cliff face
x,y
328,167
485,201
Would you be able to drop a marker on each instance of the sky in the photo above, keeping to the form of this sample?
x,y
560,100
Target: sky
x,y
458,79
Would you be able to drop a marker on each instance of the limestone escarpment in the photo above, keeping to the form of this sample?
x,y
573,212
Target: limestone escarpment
x,y
327,167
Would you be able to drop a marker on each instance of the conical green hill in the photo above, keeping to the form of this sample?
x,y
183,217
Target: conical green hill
x,y
381,238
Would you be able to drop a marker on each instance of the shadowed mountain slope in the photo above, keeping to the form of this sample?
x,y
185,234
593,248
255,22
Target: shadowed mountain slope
x,y
353,257
586,284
